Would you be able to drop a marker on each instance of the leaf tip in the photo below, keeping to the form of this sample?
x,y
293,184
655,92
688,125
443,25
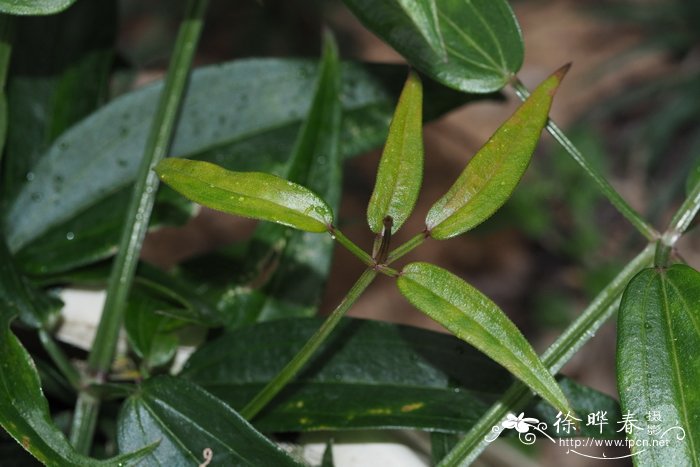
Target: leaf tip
x,y
561,72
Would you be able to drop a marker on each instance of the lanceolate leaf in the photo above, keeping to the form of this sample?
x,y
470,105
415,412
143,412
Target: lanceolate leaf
x,y
100,154
34,7
481,38
187,420
248,194
297,263
658,372
401,167
493,173
368,375
472,317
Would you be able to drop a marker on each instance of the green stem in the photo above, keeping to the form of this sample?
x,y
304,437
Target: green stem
x,y
613,196
300,359
554,358
407,247
138,216
679,224
351,246
85,415
684,216
62,362
663,252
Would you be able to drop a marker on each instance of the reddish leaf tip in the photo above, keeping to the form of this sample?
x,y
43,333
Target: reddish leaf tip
x,y
561,72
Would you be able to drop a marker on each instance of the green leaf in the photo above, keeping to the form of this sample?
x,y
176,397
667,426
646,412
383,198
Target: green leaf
x,y
187,420
289,269
51,88
150,334
93,235
34,7
481,38
400,170
368,374
249,194
22,298
100,155
24,411
657,372
472,317
493,173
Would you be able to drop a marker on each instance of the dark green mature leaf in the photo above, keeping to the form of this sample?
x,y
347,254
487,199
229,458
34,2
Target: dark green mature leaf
x,y
56,79
187,420
493,173
368,375
94,234
481,38
24,411
249,194
289,269
400,170
658,374
150,334
100,155
472,317
22,298
34,7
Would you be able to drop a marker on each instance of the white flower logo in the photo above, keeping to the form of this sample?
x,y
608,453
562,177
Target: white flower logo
x,y
521,423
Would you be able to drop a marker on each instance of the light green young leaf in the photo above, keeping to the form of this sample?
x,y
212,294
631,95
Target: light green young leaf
x,y
34,7
493,173
657,369
471,45
401,167
248,194
290,268
187,420
472,317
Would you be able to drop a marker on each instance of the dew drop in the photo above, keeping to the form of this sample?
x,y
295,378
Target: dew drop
x,y
70,236
30,176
